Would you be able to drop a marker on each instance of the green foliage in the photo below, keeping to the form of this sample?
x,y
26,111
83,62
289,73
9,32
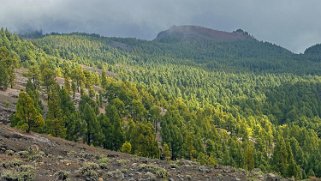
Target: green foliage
x,y
8,62
167,152
142,139
126,147
158,171
27,116
247,104
55,122
94,133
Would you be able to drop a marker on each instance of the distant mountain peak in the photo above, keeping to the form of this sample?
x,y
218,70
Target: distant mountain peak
x,y
190,32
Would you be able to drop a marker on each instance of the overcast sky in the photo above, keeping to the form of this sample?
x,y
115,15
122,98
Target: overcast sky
x,y
293,24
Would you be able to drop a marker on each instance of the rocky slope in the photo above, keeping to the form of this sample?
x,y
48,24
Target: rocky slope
x,y
41,157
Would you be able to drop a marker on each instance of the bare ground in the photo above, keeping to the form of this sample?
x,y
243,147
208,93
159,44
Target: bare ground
x,y
51,158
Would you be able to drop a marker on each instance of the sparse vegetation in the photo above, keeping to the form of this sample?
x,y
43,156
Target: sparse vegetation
x,y
158,171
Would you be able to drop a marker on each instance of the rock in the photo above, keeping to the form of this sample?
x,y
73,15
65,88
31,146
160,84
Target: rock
x,y
272,177
117,174
9,152
181,177
62,175
22,154
257,173
34,149
151,176
203,169
3,148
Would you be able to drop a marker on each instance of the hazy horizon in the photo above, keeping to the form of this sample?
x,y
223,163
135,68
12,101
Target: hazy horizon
x,y
288,23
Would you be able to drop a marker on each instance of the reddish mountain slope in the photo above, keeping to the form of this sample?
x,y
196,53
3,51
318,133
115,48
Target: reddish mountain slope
x,y
201,33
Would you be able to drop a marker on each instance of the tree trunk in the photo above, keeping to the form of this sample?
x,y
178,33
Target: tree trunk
x,y
29,127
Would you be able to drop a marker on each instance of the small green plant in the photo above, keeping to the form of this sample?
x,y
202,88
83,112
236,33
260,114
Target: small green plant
x,y
158,171
126,147
18,172
89,170
122,161
90,166
103,162
12,163
92,174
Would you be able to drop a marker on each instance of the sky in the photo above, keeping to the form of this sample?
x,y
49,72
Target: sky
x,y
293,24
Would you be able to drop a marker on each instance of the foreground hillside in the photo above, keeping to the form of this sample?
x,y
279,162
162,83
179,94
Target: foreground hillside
x,y
39,157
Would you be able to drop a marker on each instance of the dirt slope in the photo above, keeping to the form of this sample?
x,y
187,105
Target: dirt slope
x,y
41,157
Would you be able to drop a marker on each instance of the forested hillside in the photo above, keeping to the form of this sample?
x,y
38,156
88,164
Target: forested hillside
x,y
243,103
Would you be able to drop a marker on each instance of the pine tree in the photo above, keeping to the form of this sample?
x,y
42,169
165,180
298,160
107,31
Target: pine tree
x,y
94,133
8,62
280,156
117,138
28,117
55,120
103,79
143,140
48,74
249,155
33,92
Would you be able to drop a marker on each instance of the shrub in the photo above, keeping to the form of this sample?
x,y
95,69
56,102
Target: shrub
x,y
126,147
103,162
158,171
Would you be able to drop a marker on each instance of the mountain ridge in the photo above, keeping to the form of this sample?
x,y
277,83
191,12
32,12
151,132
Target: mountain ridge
x,y
189,32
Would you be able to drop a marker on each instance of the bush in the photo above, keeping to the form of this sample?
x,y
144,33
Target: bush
x,y
103,162
12,163
18,172
89,170
158,171
126,147
62,175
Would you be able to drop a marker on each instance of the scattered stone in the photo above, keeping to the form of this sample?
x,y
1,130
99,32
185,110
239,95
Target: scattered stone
x,y
117,174
9,152
34,149
203,169
62,175
151,176
272,177
22,154
188,177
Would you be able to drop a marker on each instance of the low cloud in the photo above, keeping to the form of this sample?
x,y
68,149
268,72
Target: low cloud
x,y
289,23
